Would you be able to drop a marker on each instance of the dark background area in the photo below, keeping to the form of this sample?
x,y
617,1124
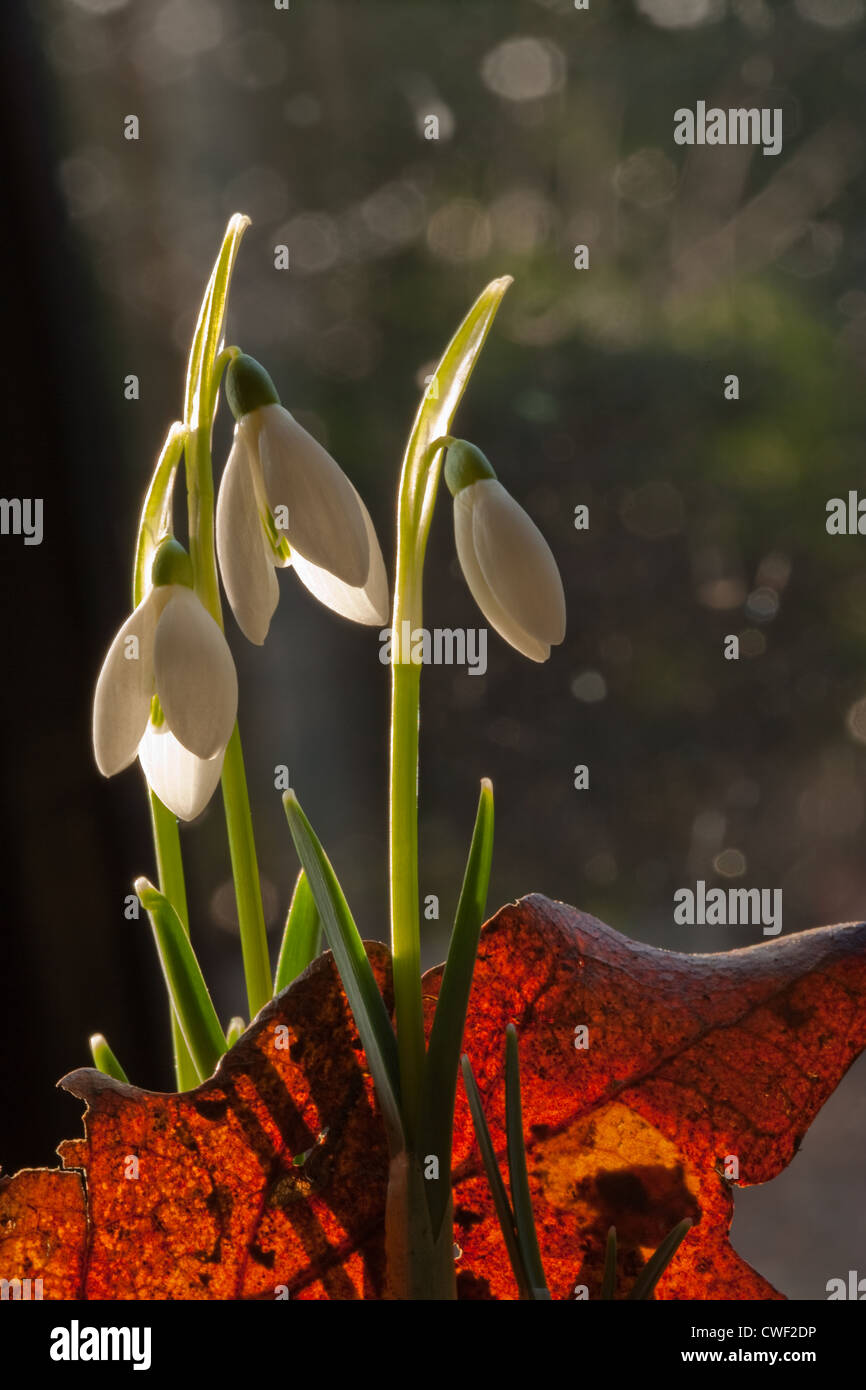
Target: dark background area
x,y
602,387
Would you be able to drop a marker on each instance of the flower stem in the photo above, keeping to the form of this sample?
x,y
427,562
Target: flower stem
x,y
405,917
245,870
207,363
419,482
169,863
419,1265
239,824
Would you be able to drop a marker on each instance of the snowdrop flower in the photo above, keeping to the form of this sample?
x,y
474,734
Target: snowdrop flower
x,y
508,564
168,692
284,501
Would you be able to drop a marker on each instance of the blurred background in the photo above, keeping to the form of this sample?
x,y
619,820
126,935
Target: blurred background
x,y
601,387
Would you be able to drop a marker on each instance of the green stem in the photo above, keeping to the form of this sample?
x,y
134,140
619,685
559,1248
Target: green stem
x,y
419,1265
245,870
204,371
405,916
155,524
403,801
169,863
419,482
239,823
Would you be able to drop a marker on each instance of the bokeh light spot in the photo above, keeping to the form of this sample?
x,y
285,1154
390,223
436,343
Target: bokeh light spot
x,y
524,69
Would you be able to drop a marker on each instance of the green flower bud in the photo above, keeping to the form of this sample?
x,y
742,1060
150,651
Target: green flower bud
x,y
171,564
248,386
464,465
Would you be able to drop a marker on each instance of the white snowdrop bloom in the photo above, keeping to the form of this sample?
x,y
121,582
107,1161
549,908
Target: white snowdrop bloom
x,y
284,501
506,561
170,647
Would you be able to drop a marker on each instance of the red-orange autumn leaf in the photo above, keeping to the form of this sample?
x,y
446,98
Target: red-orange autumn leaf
x,y
690,1059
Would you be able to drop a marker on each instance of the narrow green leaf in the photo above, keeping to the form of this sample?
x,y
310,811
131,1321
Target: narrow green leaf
x,y
235,1031
518,1175
169,862
105,1059
156,514
446,1036
608,1283
302,938
207,338
644,1285
186,986
494,1179
356,973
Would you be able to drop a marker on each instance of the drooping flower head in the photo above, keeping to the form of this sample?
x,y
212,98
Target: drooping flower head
x,y
168,692
506,561
284,501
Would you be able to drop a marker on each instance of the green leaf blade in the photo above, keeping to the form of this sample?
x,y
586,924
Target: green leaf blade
x,y
446,1036
188,992
302,938
644,1285
520,1196
234,1031
504,1213
104,1059
608,1282
356,973
166,839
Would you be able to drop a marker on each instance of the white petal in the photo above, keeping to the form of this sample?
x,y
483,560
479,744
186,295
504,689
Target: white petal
x,y
242,547
494,601
183,782
367,604
124,690
517,563
325,521
194,675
